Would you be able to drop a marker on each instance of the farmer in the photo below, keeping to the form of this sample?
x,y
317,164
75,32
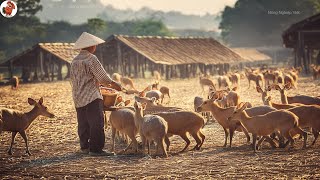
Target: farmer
x,y
86,74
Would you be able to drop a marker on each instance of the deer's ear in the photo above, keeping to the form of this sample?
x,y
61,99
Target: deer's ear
x,y
277,87
235,88
259,90
41,100
269,98
32,101
119,99
127,102
153,99
144,105
268,88
142,94
244,106
287,86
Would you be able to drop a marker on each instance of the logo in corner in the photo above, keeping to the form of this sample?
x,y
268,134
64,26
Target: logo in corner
x,y
8,8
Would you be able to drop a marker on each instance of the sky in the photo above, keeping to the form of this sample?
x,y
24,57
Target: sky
x,y
197,7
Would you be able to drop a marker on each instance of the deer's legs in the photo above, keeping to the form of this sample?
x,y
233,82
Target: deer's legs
x,y
12,141
24,136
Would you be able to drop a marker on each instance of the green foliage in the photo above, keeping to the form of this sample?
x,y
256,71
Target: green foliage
x,y
97,26
25,30
150,28
253,22
22,30
27,8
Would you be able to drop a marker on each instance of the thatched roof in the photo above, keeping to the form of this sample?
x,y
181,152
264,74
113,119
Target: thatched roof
x,y
62,51
310,27
174,50
251,54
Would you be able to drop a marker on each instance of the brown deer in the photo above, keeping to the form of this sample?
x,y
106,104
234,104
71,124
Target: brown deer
x,y
17,122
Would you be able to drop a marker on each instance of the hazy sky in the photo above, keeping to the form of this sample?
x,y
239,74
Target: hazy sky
x,y
198,7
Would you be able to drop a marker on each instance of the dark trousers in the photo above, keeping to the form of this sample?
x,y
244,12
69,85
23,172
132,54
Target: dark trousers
x,y
91,126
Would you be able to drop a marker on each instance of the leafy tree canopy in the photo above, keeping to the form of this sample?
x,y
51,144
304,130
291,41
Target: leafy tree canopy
x,y
261,22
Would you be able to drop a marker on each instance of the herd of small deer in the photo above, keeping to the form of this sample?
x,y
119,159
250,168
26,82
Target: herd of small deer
x,y
283,120
154,122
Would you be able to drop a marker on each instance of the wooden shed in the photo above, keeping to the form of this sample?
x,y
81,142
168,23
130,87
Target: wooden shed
x,y
44,61
171,56
304,38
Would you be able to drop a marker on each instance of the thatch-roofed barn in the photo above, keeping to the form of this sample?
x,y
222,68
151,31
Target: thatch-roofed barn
x,y
43,60
304,38
136,56
172,56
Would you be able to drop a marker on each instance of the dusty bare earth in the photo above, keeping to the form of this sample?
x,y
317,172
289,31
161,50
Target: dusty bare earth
x,y
54,143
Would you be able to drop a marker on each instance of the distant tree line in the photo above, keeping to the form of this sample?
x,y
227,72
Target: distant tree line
x,y
25,29
254,23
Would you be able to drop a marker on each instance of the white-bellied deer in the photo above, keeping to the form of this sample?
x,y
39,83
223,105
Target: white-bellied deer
x,y
255,77
17,122
302,99
14,82
282,121
205,82
163,89
266,99
122,120
309,116
126,81
157,75
221,115
151,128
223,81
182,122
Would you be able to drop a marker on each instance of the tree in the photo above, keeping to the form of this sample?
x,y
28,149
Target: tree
x,y
255,22
22,30
150,28
97,26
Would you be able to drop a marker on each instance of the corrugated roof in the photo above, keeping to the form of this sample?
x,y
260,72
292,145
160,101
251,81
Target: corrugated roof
x,y
251,54
174,50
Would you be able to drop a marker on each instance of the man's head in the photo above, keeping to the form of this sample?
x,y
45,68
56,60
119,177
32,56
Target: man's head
x,y
91,49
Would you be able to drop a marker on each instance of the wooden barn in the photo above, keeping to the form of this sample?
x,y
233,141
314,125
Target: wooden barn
x,y
44,61
304,38
252,57
171,56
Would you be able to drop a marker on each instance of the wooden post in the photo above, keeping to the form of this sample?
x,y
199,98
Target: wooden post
x,y
68,70
143,67
59,70
119,55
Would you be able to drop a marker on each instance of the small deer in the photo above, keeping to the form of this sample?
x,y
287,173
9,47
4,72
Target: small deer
x,y
302,99
150,127
17,122
163,89
157,75
14,82
205,82
264,125
122,120
126,81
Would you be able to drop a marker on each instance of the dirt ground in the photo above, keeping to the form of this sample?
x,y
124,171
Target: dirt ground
x,y
54,143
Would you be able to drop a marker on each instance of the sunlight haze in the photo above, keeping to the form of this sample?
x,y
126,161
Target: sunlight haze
x,y
197,7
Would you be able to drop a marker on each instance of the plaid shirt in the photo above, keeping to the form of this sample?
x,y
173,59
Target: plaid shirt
x,y
86,73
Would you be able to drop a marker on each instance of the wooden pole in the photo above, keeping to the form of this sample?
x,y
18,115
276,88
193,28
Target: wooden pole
x,y
119,55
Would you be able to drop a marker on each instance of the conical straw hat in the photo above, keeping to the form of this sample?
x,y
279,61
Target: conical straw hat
x,y
87,40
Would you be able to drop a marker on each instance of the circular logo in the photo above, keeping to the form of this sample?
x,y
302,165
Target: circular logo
x,y
8,8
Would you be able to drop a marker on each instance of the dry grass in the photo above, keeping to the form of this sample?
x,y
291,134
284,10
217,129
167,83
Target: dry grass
x,y
54,143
